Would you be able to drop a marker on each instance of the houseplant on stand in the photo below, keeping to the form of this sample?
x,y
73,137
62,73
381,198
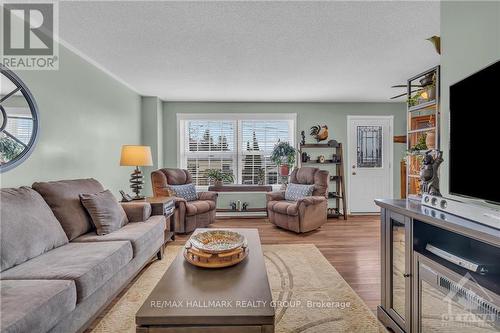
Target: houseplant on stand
x,y
219,177
283,156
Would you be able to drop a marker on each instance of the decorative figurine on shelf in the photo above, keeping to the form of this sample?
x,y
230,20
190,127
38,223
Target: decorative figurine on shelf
x,y
332,143
332,211
232,204
321,159
244,206
303,135
320,133
429,172
304,157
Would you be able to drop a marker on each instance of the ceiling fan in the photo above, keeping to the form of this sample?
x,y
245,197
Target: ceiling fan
x,y
424,82
405,86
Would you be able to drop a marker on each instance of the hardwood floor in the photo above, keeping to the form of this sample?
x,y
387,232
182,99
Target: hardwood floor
x,y
351,246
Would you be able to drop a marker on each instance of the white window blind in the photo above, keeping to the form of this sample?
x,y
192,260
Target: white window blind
x,y
237,144
21,128
209,145
258,138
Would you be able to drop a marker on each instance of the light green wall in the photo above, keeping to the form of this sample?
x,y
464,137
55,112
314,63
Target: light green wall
x,y
152,135
470,41
332,114
85,117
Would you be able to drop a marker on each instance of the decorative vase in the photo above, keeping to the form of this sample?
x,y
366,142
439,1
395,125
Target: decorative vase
x,y
430,140
284,170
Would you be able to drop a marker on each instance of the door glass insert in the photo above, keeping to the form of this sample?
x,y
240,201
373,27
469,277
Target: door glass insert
x,y
369,146
398,267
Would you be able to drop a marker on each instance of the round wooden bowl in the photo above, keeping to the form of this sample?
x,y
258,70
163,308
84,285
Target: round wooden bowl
x,y
217,241
214,260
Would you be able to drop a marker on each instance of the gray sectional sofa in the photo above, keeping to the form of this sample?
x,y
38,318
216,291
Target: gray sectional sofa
x,y
57,274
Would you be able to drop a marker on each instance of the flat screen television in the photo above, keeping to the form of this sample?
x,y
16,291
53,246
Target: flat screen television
x,y
475,135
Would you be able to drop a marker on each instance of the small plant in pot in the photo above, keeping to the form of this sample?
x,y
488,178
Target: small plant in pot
x,y
283,156
219,177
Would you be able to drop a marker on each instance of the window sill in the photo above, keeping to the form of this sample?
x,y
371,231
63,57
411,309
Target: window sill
x,y
276,188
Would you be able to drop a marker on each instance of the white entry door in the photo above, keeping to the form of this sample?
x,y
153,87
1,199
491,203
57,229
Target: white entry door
x,y
369,168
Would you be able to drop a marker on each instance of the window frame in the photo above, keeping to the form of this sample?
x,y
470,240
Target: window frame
x,y
238,153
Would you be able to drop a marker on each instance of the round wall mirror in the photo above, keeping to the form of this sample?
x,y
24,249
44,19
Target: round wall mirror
x,y
18,120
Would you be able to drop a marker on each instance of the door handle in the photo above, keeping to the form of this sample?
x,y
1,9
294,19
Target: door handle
x,y
406,275
354,173
354,166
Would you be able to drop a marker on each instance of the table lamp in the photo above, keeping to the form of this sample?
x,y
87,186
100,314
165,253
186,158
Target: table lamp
x,y
136,156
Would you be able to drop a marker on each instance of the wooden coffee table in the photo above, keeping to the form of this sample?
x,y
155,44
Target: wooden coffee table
x,y
189,299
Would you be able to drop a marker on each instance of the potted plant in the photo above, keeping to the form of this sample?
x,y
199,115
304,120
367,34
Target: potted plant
x,y
9,149
283,156
421,144
219,177
414,100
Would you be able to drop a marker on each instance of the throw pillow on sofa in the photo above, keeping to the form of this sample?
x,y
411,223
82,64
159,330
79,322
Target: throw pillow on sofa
x,y
62,196
28,227
186,191
295,192
106,213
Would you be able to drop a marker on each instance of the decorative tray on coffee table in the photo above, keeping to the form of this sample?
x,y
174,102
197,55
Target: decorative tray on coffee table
x,y
216,249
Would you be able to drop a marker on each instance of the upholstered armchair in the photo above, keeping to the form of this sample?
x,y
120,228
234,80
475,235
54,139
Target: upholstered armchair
x,y
305,214
189,215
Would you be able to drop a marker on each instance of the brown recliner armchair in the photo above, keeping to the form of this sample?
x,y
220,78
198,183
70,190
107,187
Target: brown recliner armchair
x,y
189,215
306,214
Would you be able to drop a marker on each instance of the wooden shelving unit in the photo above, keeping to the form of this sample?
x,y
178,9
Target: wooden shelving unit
x,y
422,124
337,197
325,162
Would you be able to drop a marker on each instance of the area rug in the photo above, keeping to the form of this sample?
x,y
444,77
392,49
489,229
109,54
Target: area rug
x,y
310,294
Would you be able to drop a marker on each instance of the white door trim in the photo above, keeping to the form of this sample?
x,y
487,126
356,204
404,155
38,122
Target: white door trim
x,y
391,154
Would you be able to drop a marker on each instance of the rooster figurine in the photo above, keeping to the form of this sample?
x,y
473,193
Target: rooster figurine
x,y
320,133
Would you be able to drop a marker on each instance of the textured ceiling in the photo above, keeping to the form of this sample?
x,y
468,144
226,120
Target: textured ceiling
x,y
256,51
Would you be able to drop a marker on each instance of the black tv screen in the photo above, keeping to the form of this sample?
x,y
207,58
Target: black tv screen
x,y
475,135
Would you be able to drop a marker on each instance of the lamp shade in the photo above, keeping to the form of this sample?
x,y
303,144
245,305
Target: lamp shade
x,y
136,156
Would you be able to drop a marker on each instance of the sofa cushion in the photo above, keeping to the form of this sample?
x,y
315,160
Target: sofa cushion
x,y
308,175
63,198
106,213
28,227
298,191
90,265
137,211
199,207
186,192
177,176
35,305
284,207
140,234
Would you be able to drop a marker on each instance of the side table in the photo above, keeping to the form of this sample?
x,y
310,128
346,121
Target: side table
x,y
162,206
